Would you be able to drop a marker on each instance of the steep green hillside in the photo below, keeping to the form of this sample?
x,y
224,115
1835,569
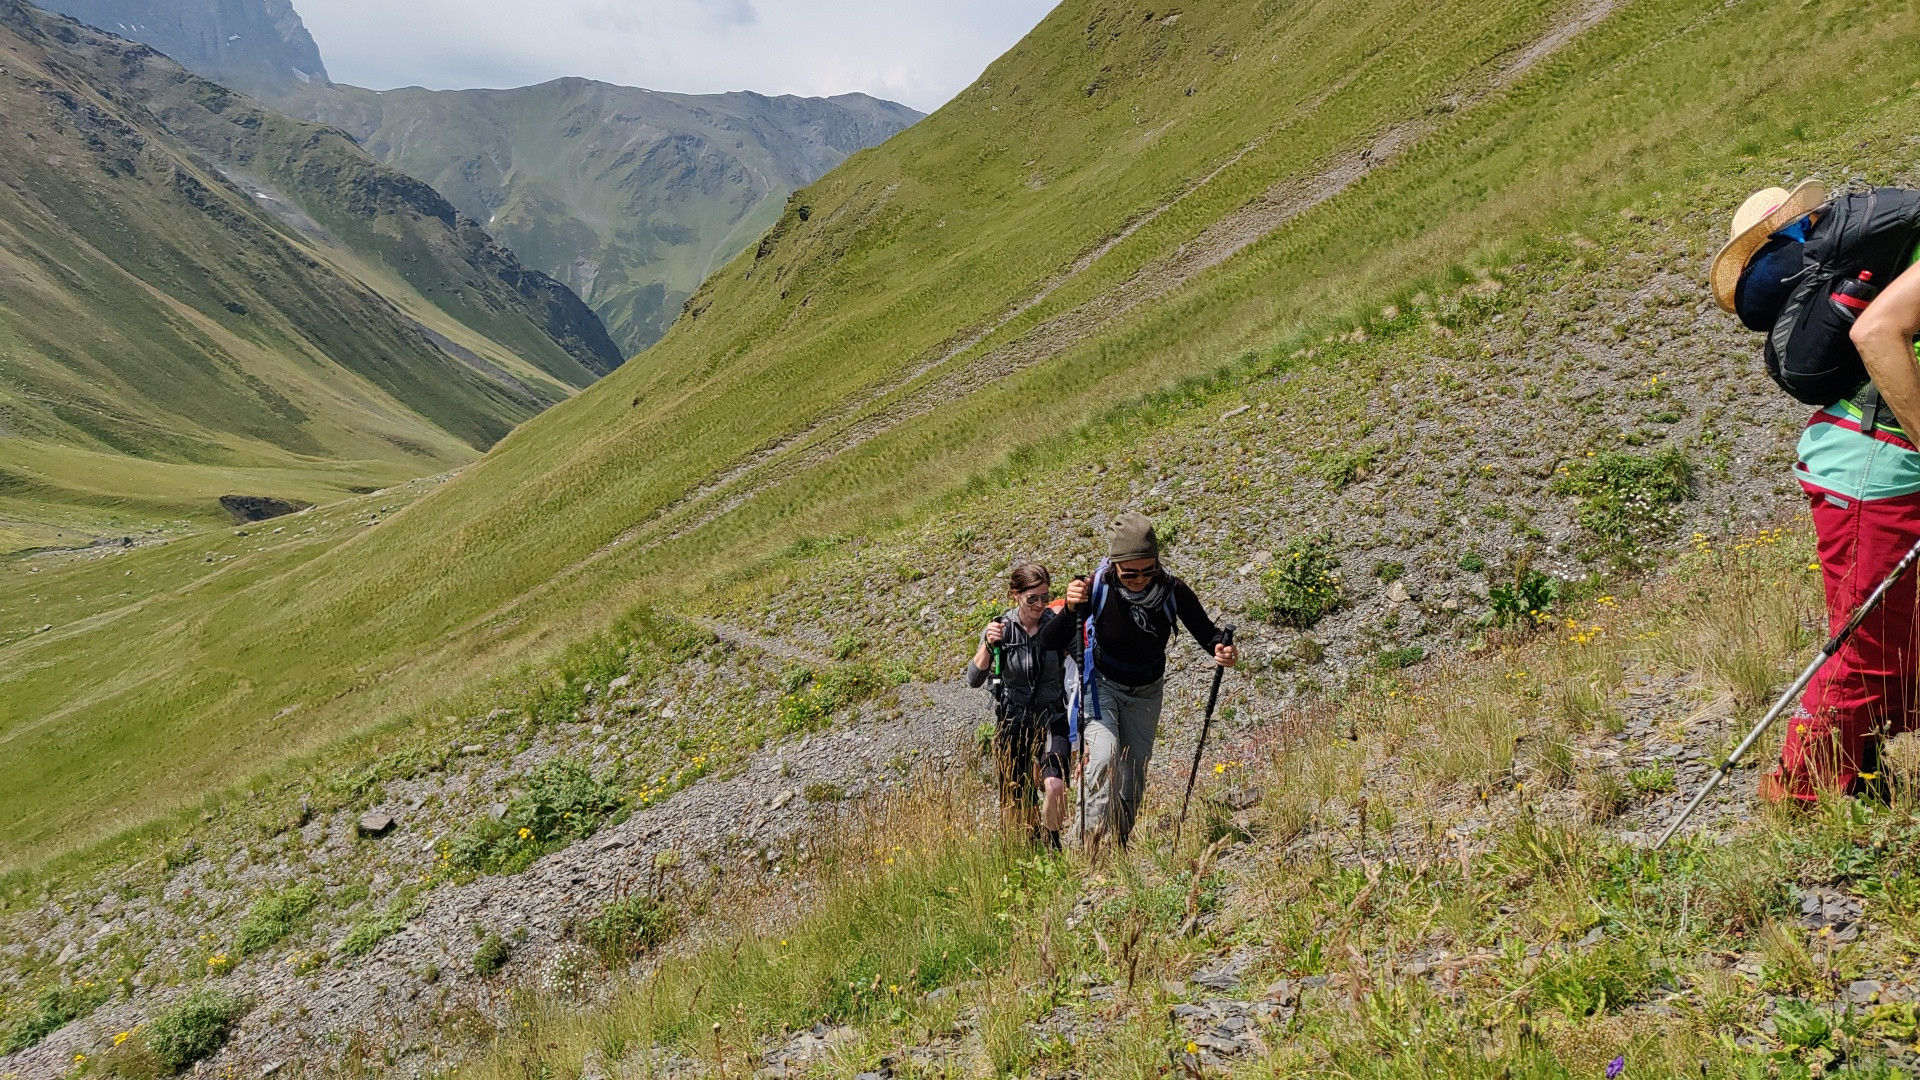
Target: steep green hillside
x,y
192,280
629,196
1121,201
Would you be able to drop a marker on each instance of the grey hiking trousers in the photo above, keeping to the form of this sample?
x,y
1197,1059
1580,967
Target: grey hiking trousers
x,y
1119,747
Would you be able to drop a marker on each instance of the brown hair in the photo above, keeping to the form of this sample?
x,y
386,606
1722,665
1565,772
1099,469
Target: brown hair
x,y
1028,575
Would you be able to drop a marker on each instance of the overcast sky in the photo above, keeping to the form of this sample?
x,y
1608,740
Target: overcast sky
x,y
920,52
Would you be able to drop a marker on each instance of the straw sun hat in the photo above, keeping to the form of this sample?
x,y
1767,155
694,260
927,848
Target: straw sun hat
x,y
1763,214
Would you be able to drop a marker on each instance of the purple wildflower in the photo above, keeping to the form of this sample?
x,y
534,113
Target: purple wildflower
x,y
1616,1067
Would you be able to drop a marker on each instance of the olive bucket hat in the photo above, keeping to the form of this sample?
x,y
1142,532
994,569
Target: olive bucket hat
x,y
1132,537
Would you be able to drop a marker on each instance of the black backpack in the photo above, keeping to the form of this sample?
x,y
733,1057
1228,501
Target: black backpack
x,y
1859,242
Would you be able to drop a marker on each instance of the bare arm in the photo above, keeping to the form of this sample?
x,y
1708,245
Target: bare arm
x,y
1884,335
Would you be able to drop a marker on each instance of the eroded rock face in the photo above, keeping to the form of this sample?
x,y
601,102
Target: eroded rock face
x,y
260,41
245,508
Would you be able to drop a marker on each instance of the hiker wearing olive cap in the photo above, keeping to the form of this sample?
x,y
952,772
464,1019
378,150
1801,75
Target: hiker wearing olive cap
x,y
1829,281
1126,616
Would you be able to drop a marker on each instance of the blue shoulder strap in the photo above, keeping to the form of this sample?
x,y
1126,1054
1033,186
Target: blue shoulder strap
x,y
1089,688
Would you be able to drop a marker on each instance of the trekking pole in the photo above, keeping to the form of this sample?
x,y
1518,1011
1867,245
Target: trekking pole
x,y
1080,784
1200,746
1833,647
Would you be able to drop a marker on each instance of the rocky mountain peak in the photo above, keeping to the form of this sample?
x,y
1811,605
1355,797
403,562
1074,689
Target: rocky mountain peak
x,y
247,44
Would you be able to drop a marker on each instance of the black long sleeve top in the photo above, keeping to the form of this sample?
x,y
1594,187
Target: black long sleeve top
x,y
1130,651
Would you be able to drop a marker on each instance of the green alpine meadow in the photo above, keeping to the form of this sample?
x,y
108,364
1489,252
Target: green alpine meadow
x,y
472,607
979,285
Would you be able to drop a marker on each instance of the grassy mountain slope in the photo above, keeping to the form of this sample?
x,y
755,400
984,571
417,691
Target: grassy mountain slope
x,y
1200,459
1073,230
1385,886
629,196
157,310
350,201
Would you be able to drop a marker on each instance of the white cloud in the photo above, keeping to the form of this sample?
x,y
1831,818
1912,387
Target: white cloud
x,y
920,52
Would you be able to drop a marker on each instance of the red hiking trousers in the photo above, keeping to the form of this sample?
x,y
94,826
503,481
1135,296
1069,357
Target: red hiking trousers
x,y
1867,692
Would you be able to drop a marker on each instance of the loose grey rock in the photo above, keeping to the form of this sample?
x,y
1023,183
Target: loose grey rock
x,y
375,824
1863,991
1244,798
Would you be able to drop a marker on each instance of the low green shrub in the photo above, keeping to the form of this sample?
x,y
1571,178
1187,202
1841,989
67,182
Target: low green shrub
x,y
1395,659
194,1028
1626,499
1596,981
55,1008
1652,780
491,955
1302,585
1342,467
811,700
374,929
563,803
274,916
1527,602
627,927
1802,1025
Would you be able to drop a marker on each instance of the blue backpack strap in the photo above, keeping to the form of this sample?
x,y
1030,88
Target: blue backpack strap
x,y
1089,687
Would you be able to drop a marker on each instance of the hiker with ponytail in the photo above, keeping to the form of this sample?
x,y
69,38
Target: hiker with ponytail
x,y
1029,685
1123,620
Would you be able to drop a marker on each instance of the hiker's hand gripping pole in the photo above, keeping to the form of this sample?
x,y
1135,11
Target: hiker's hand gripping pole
x,y
1199,747
1832,648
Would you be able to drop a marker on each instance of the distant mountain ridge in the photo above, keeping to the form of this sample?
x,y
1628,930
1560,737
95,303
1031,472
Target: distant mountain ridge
x,y
199,294
246,44
630,196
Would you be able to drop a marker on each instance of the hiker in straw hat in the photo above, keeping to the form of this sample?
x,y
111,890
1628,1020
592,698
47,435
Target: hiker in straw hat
x,y
1863,482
